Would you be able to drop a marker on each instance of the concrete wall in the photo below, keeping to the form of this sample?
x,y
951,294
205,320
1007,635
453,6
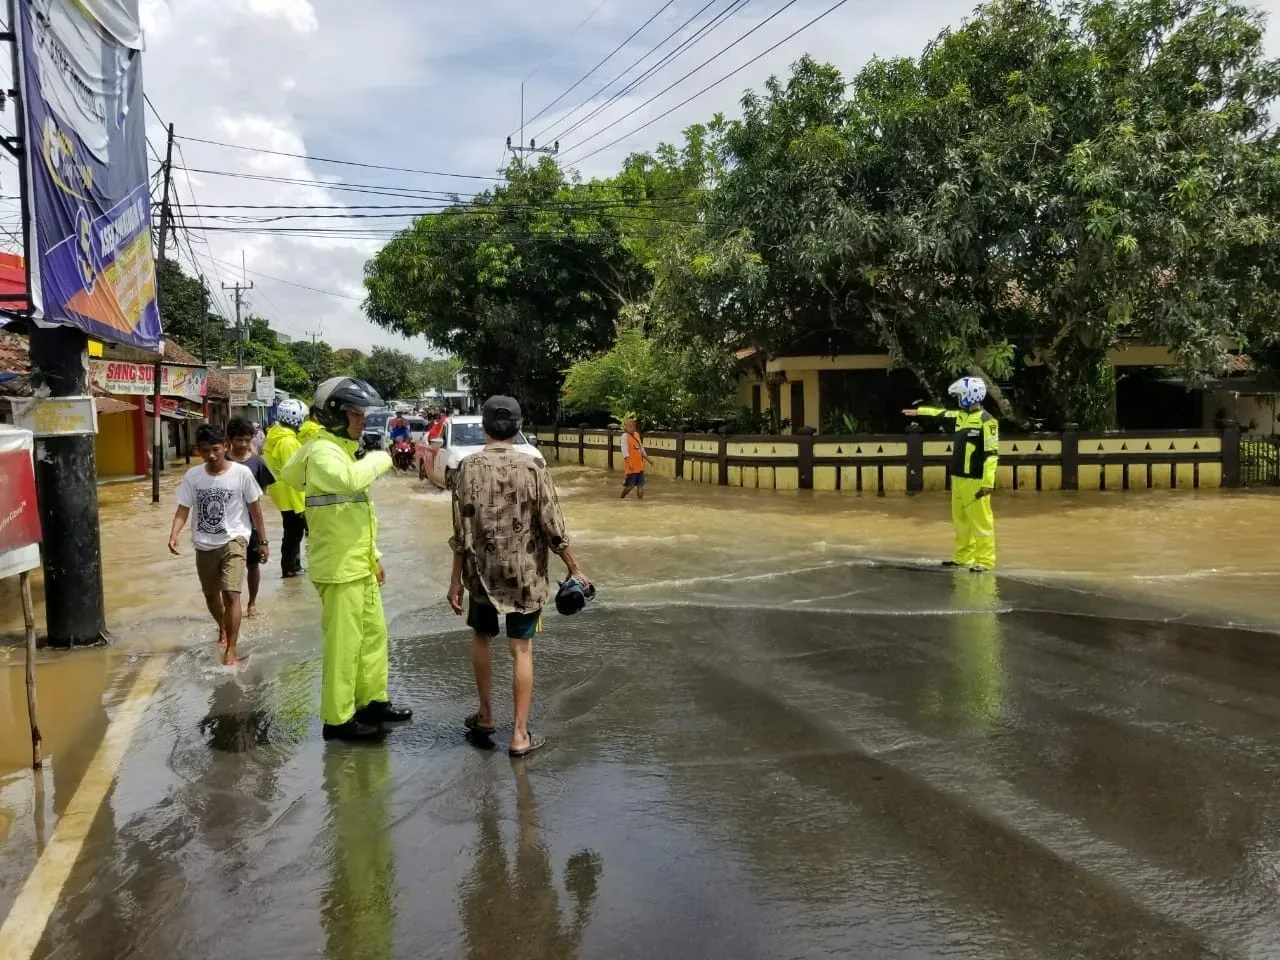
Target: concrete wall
x,y
1170,459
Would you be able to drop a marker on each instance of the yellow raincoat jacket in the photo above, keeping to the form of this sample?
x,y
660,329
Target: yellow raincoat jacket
x,y
308,430
343,529
282,443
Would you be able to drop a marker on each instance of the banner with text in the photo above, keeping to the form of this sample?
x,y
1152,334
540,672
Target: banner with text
x,y
19,512
90,211
121,377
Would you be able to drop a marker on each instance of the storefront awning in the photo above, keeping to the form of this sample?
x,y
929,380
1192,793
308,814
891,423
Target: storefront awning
x,y
107,405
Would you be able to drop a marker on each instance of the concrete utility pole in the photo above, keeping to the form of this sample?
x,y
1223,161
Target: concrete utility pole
x,y
315,335
239,289
157,437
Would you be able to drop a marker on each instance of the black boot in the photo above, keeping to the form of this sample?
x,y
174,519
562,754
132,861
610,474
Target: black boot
x,y
381,711
354,730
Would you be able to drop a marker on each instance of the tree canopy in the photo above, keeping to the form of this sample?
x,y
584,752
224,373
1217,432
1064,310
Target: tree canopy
x,y
1044,183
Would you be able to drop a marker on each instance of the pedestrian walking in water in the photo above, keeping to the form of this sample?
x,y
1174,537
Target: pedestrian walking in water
x,y
634,459
506,520
282,444
975,455
240,449
228,508
335,473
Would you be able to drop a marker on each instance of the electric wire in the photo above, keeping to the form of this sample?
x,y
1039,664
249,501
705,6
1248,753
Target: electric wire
x,y
732,73
705,63
586,76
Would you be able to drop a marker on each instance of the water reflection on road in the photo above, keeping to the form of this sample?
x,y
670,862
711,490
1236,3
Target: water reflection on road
x,y
776,734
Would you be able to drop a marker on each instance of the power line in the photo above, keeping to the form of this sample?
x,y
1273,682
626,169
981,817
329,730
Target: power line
x,y
345,163
292,283
705,63
732,73
718,19
226,306
576,30
586,76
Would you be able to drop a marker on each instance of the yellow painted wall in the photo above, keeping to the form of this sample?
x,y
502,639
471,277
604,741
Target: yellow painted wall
x,y
812,405
113,446
115,454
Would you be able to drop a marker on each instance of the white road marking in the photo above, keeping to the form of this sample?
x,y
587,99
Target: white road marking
x,y
30,913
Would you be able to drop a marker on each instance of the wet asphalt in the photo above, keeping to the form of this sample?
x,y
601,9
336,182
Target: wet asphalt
x,y
781,753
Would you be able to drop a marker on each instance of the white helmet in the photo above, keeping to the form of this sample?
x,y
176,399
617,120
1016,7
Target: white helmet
x,y
969,391
291,413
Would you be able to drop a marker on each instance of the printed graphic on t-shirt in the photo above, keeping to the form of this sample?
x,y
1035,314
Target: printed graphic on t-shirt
x,y
211,510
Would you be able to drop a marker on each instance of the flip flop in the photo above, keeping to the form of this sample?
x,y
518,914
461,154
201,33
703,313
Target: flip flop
x,y
473,724
535,743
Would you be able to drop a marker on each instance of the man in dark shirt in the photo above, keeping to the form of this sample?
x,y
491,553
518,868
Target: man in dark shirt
x,y
240,435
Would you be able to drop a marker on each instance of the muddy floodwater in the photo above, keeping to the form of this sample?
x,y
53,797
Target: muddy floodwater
x,y
777,733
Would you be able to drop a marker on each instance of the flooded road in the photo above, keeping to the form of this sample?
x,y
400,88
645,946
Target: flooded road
x,y
774,735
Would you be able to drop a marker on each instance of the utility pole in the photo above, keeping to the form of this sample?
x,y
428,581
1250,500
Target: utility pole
x,y
157,438
533,147
315,356
66,472
239,289
204,319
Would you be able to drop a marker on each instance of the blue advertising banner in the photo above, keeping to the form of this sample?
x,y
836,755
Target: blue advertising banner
x,y
90,211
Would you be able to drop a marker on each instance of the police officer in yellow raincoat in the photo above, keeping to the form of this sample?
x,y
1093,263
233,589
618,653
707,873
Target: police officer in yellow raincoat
x,y
975,454
343,561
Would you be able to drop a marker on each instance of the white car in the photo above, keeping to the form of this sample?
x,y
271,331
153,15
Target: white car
x,y
462,436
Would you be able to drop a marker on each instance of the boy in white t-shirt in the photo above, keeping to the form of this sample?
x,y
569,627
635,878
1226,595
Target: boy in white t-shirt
x,y
228,508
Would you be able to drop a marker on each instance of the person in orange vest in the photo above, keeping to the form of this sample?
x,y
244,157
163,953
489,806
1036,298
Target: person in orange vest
x,y
634,458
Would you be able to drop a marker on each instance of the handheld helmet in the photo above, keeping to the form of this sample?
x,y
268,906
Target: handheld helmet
x,y
291,413
337,395
573,596
969,391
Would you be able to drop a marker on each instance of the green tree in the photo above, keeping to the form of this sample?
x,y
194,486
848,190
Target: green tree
x,y
264,349
641,377
184,312
439,372
1042,183
393,373
517,283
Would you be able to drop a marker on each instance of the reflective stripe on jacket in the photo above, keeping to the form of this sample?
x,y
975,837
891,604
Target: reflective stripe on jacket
x,y
282,443
975,453
342,527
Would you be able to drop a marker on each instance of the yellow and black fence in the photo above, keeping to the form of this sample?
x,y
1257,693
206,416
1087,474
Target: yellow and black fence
x,y
918,461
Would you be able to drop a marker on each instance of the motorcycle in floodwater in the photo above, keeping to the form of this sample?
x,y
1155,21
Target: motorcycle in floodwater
x,y
402,454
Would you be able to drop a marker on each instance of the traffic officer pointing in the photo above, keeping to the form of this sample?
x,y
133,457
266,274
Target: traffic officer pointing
x,y
974,456
343,561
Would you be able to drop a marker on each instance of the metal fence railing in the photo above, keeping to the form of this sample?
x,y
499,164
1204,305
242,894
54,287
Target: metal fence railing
x,y
1260,461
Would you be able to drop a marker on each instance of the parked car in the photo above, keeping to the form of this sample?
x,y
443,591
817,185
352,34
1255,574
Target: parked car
x,y
438,460
375,430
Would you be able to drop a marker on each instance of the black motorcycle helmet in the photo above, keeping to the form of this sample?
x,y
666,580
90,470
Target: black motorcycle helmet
x,y
336,396
573,596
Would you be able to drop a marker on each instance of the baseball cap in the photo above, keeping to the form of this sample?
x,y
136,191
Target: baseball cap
x,y
500,410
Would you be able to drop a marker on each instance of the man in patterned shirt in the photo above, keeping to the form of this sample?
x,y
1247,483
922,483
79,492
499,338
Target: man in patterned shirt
x,y
506,519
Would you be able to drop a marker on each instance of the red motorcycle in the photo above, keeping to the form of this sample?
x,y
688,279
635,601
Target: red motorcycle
x,y
402,454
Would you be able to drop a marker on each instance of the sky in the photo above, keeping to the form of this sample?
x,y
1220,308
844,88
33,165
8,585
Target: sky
x,y
435,87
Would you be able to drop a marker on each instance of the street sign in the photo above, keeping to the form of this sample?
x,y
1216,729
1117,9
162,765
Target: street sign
x,y
123,378
56,416
267,389
239,399
240,381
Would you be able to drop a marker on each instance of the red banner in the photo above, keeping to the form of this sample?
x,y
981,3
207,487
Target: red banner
x,y
19,515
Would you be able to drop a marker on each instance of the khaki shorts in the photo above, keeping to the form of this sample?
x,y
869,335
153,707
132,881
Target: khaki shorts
x,y
221,570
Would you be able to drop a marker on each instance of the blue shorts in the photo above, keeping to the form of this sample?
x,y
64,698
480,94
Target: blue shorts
x,y
483,619
634,480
